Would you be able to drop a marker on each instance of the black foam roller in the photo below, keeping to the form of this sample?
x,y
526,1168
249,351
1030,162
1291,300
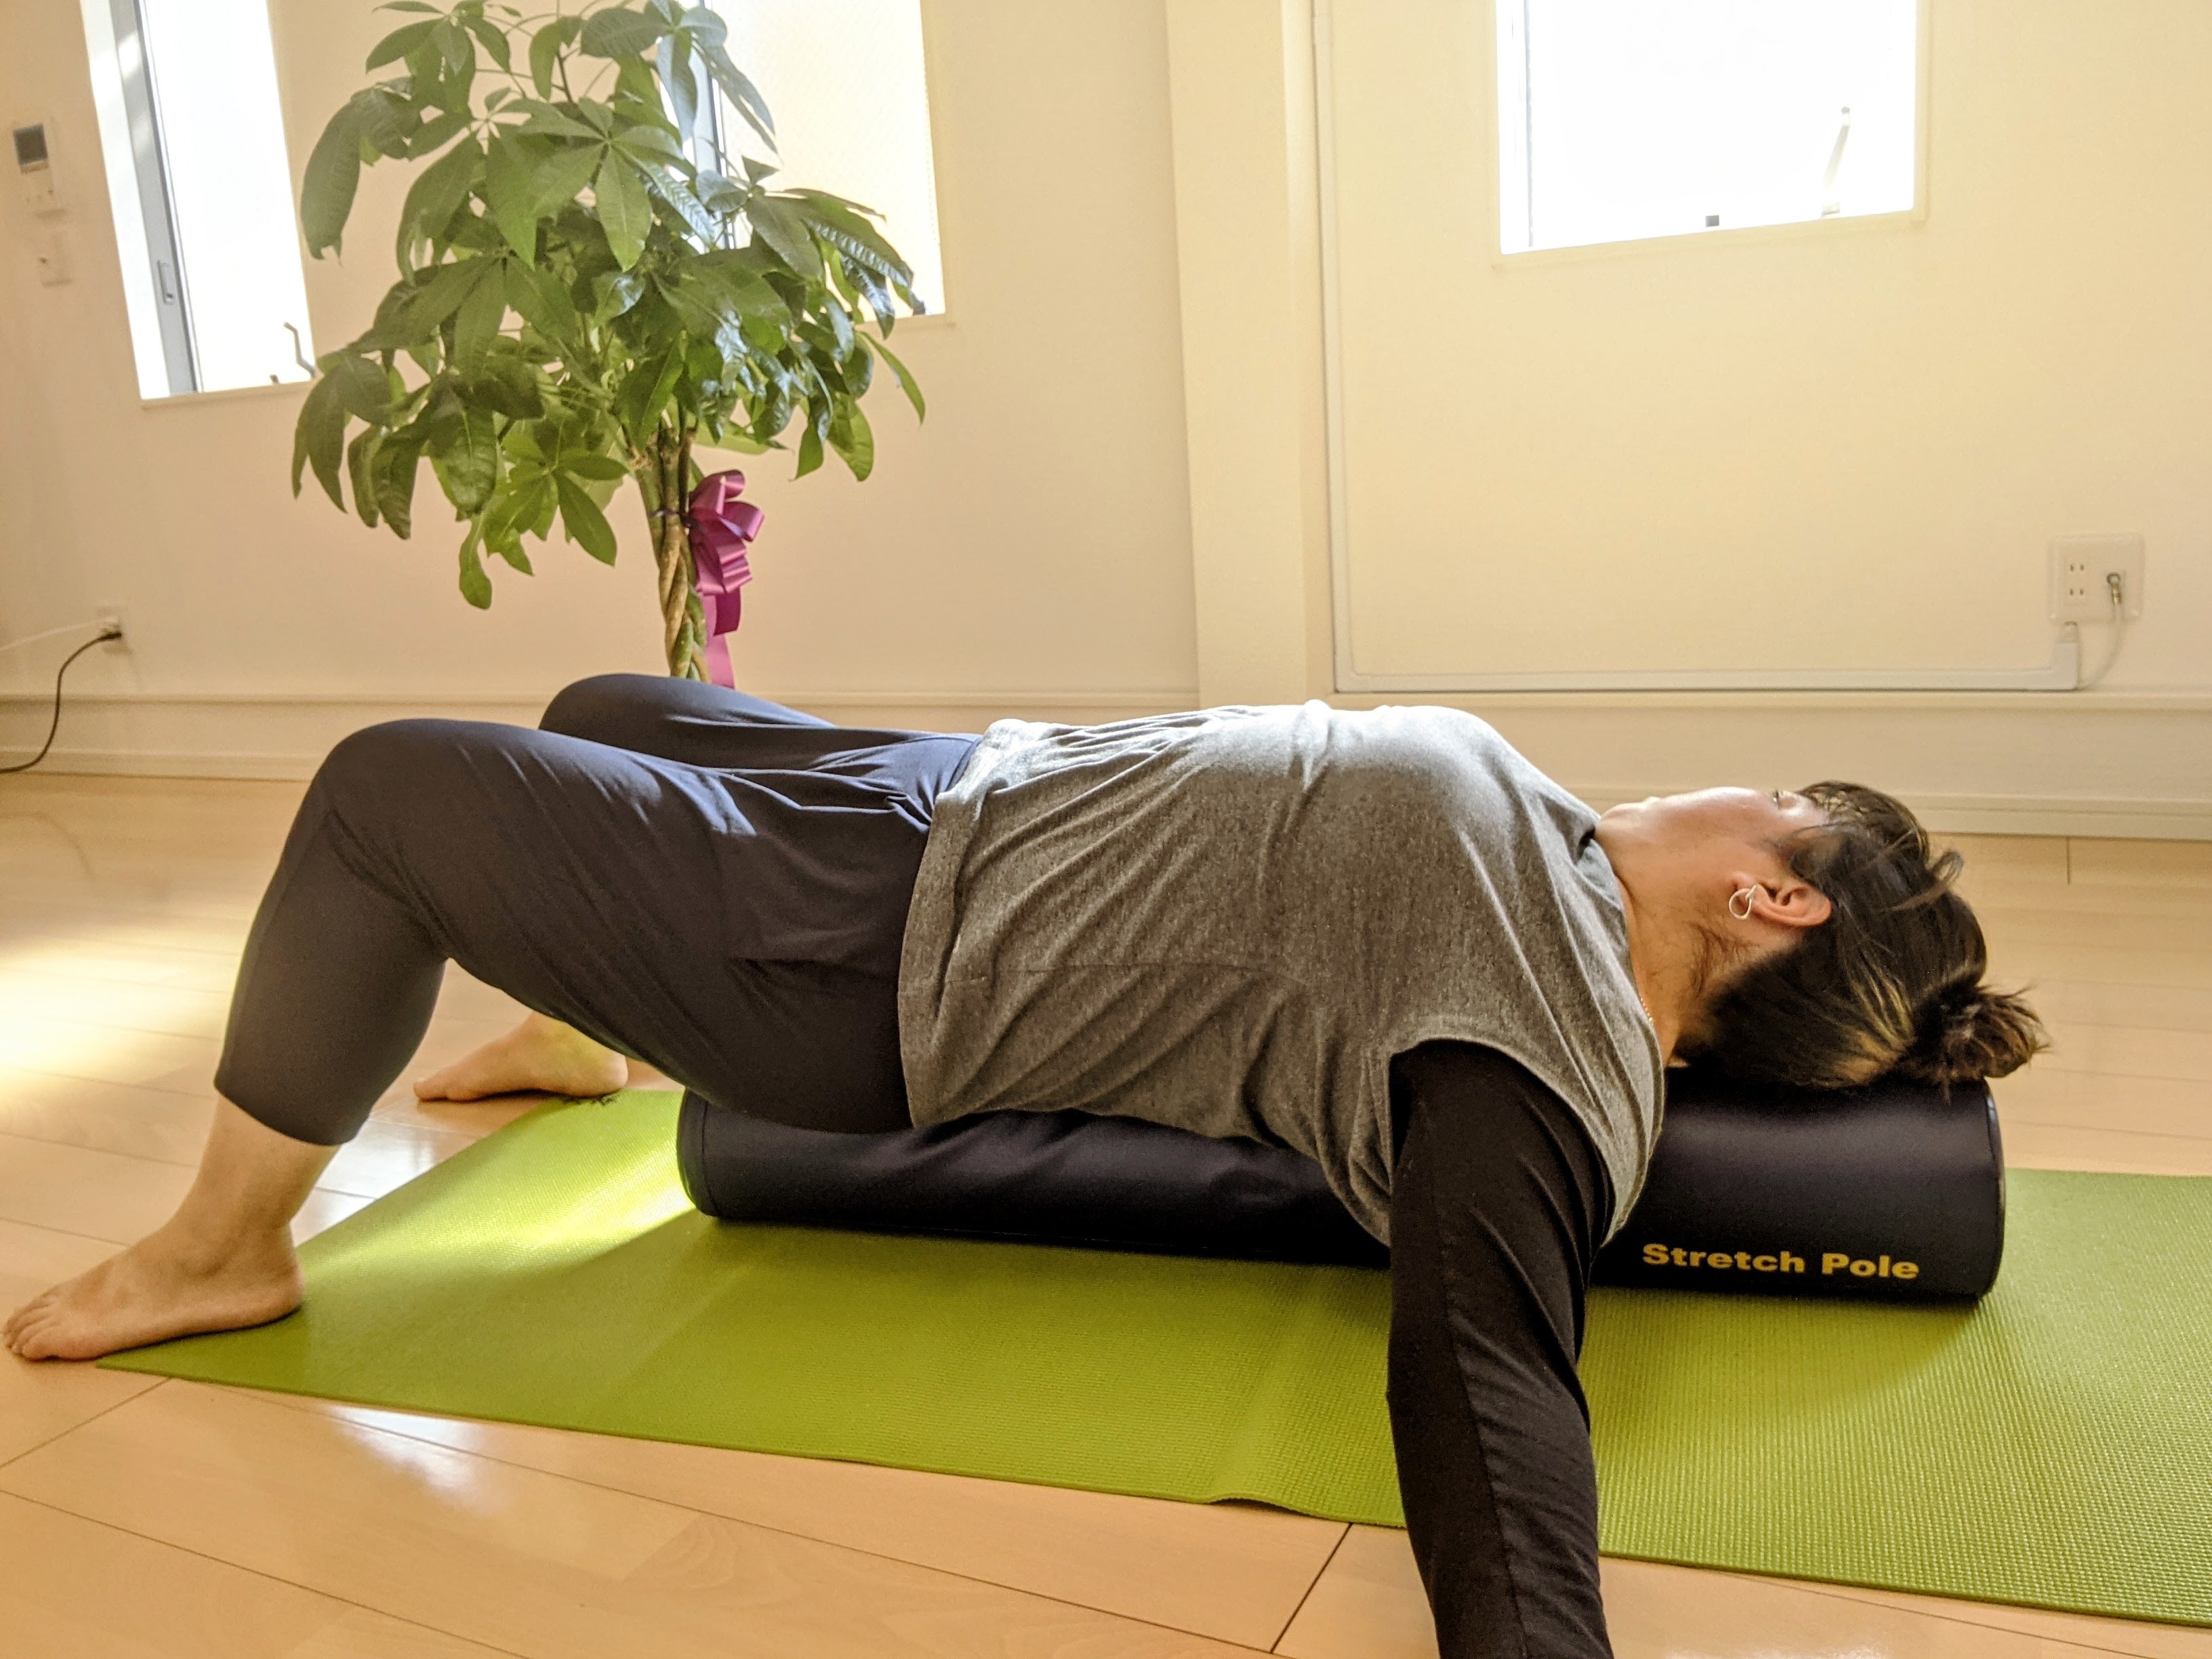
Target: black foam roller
x,y
1895,1192
1057,1177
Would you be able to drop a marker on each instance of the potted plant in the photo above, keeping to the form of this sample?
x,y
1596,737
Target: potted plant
x,y
589,287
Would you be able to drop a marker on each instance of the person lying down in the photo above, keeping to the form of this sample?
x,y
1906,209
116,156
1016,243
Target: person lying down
x,y
1382,939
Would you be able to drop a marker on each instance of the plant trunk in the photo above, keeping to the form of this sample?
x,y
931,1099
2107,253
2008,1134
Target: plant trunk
x,y
664,472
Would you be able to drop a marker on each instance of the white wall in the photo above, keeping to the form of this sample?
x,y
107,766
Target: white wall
x,y
1118,500
1641,459
1027,547
1834,446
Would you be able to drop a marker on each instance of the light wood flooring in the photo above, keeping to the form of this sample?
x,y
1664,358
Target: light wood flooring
x,y
141,1517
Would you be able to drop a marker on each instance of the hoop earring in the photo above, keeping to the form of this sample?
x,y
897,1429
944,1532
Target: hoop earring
x,y
1748,896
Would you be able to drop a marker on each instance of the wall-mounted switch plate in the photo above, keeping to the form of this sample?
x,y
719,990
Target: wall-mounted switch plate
x,y
34,170
2082,572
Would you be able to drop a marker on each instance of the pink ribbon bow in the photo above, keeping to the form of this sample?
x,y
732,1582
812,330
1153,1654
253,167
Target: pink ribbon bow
x,y
721,528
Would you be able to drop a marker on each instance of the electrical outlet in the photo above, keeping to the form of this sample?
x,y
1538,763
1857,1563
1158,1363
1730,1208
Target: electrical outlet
x,y
2082,572
111,616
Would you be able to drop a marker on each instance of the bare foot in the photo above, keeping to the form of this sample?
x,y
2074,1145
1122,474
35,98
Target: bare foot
x,y
156,1289
541,1055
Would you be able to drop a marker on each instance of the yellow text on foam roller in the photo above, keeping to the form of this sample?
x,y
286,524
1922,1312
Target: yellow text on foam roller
x,y
1780,1261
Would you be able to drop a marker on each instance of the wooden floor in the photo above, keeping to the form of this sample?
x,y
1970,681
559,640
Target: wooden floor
x,y
140,1518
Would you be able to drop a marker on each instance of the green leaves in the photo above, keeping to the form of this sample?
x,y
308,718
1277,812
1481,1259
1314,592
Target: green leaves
x,y
435,196
844,227
360,385
360,453
492,39
618,33
545,304
569,304
392,482
547,121
906,380
468,467
582,522
319,440
432,134
603,469
778,224
707,32
476,585
853,440
506,383
551,466
398,44
512,195
326,189
419,312
683,87
624,213
545,48
528,179
476,320
645,392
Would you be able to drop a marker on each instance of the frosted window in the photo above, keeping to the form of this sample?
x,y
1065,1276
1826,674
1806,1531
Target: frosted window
x,y
1619,119
845,81
194,136
213,76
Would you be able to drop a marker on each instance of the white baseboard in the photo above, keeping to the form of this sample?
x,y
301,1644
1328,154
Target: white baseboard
x,y
2082,767
2023,815
153,763
278,735
199,735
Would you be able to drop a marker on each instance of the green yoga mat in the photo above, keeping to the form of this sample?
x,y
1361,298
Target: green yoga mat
x,y
2052,1446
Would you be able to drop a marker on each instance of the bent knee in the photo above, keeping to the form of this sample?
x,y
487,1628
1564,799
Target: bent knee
x,y
600,708
399,760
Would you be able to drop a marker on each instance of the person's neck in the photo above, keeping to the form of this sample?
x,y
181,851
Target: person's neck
x,y
1663,962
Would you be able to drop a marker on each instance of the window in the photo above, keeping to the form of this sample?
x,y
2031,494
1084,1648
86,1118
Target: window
x,y
1619,119
845,82
202,191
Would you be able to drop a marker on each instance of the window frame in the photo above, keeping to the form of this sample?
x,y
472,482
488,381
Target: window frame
x,y
1493,146
156,205
728,121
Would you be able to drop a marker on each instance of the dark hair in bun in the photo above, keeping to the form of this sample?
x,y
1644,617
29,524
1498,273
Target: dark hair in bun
x,y
1968,1031
1891,982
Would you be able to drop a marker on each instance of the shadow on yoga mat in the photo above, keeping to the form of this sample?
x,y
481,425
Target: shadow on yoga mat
x,y
2050,1446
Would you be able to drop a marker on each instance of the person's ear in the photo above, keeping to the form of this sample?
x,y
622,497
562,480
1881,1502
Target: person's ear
x,y
1787,903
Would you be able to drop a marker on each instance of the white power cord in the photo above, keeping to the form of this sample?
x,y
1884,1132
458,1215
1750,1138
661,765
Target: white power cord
x,y
2116,589
56,633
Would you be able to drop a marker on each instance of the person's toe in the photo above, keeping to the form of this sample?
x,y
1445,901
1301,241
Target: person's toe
x,y
443,1085
49,1341
23,1315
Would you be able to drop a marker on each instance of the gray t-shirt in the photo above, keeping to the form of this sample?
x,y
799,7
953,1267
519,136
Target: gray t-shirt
x,y
1230,920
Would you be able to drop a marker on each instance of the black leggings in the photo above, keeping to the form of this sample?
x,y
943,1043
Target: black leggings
x,y
700,879
718,886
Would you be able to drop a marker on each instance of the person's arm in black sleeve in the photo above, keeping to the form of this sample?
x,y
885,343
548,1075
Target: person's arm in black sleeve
x,y
1498,1202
